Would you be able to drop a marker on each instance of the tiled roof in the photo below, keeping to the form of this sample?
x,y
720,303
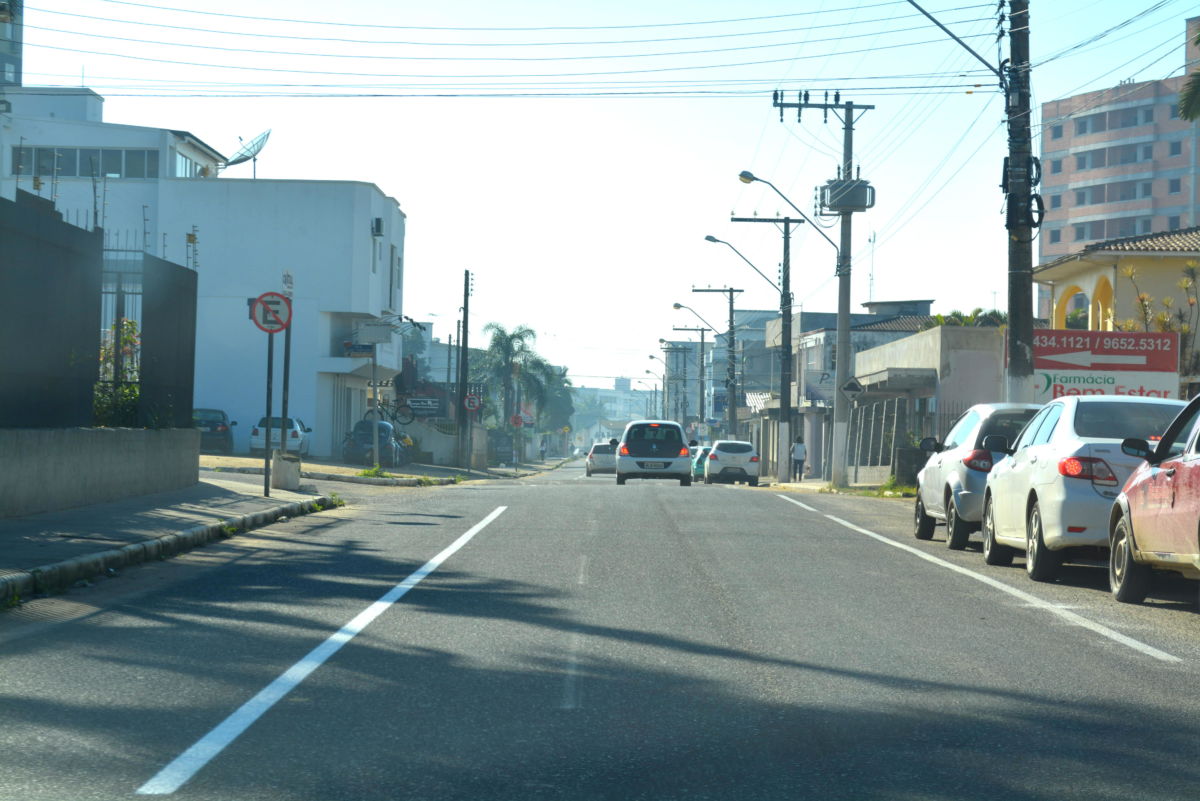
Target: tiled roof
x,y
905,322
1182,241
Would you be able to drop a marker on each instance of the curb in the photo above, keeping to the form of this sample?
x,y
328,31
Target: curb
x,y
378,482
58,576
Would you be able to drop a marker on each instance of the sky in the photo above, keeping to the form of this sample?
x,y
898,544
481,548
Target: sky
x,y
573,156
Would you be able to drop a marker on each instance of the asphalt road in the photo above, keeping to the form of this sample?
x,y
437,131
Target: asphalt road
x,y
561,637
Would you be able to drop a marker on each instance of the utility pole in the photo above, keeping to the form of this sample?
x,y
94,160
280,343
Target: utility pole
x,y
785,353
843,196
462,412
731,386
702,332
1023,206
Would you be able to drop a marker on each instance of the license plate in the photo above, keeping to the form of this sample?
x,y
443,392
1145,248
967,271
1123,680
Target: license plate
x,y
651,465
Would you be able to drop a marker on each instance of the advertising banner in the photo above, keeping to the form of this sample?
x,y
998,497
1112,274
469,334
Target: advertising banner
x,y
1068,362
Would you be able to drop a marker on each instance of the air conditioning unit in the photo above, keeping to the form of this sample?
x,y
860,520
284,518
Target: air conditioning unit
x,y
377,226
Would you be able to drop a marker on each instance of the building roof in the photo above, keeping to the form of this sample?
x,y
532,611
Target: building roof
x,y
1184,240
903,322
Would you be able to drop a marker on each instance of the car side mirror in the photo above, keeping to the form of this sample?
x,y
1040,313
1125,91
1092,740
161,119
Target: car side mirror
x,y
930,444
233,422
308,431
997,443
1134,446
693,443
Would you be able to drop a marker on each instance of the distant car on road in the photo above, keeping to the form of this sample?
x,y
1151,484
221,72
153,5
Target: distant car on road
x,y
950,485
602,458
294,429
732,462
1055,491
216,429
654,449
699,460
1153,522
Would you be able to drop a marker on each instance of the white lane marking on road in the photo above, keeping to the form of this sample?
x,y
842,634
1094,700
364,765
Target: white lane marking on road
x,y
187,764
1031,600
570,696
801,505
583,566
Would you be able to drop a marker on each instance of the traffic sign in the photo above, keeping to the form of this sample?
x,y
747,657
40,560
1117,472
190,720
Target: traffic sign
x,y
472,402
271,312
852,389
516,420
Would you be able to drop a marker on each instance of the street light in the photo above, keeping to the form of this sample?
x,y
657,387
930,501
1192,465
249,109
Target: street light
x,y
678,306
841,408
711,238
662,383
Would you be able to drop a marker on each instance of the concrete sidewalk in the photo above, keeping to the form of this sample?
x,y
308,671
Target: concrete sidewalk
x,y
49,552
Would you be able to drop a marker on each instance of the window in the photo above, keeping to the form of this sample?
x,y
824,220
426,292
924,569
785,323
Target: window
x,y
1173,223
111,163
1056,166
1055,236
135,164
1030,429
1080,197
1147,152
22,161
68,162
1174,186
1147,115
1145,189
1174,114
1143,225
1175,149
961,429
1096,194
1080,232
1112,420
10,73
43,164
1056,201
1056,132
1081,161
1046,429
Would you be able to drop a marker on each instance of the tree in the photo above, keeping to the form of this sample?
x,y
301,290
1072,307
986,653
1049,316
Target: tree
x,y
511,364
1189,95
977,318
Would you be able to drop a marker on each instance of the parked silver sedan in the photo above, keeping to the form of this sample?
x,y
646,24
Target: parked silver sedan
x,y
950,486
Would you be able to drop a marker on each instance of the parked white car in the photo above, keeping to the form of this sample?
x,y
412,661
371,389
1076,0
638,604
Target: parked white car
x,y
298,435
950,485
1055,490
732,461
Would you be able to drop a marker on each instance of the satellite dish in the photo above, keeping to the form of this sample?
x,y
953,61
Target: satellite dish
x,y
250,151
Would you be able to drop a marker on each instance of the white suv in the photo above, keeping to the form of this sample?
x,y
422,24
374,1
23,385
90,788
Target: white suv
x,y
654,449
732,461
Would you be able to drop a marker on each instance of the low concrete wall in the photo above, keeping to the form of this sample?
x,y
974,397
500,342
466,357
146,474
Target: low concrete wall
x,y
44,470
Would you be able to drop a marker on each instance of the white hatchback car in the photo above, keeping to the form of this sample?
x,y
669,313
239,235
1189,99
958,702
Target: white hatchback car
x,y
1056,489
293,428
602,458
654,449
732,461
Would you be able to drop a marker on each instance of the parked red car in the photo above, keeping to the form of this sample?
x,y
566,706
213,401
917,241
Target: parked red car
x,y
1155,520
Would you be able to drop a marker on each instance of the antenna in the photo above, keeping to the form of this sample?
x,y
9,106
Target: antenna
x,y
250,152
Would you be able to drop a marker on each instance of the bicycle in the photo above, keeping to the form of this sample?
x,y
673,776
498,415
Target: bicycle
x,y
397,412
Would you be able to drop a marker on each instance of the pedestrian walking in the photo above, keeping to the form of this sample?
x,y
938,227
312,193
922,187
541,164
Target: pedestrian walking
x,y
799,456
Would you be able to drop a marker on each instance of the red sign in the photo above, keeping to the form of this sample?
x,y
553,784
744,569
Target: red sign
x,y
272,312
1106,350
516,420
472,402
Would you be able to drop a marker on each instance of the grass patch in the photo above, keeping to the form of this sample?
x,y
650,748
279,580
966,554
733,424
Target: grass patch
x,y
425,481
374,472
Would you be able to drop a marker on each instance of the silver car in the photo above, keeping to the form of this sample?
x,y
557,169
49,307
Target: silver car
x,y
950,486
654,449
602,458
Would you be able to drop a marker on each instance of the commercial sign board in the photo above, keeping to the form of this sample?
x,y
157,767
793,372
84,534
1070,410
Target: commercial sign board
x,y
1105,363
425,406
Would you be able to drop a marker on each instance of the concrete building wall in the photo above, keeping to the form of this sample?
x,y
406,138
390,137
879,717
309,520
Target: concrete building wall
x,y
48,469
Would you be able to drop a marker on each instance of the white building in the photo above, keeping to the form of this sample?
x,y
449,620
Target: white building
x,y
158,190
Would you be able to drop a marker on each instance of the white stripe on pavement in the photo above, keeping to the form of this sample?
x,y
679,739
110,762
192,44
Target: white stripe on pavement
x,y
187,764
1031,600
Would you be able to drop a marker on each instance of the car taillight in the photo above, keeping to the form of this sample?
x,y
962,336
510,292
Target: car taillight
x,y
713,456
754,458
222,427
980,460
624,450
684,452
295,434
1087,467
254,431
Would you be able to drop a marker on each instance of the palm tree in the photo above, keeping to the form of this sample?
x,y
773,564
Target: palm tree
x,y
1189,95
511,364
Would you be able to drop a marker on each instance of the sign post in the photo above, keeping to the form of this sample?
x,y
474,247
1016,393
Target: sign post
x,y
287,362
272,313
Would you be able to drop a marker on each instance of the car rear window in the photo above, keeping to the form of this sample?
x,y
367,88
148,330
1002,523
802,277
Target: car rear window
x,y
1006,424
660,433
1113,420
208,415
602,449
262,422
735,447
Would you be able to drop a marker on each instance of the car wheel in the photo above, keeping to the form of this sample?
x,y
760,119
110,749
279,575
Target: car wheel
x,y
753,482
685,482
707,480
620,479
1128,580
922,523
1041,563
994,553
958,531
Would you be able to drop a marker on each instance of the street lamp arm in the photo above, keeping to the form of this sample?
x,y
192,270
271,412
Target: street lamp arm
x,y
711,327
752,267
749,177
